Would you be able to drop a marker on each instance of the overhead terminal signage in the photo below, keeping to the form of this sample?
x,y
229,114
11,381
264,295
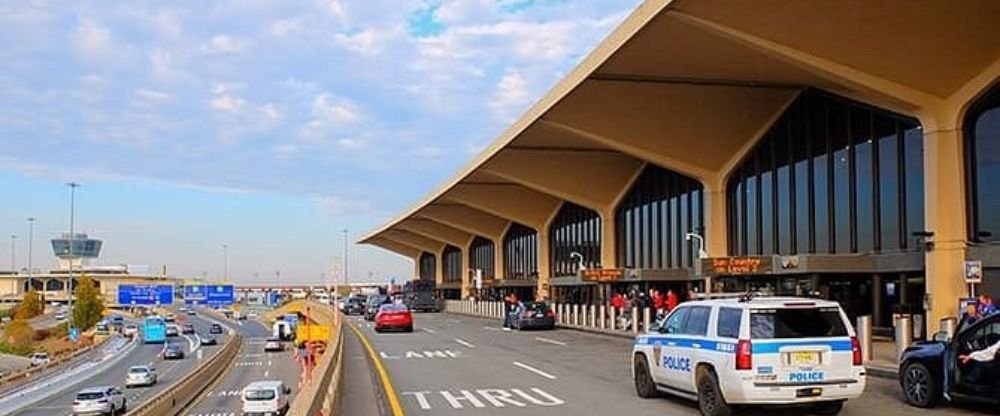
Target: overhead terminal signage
x,y
603,275
729,266
145,294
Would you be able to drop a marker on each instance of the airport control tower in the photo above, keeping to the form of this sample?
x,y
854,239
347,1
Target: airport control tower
x,y
85,250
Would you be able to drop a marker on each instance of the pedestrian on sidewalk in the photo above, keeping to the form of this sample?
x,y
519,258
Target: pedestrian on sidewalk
x,y
672,300
987,306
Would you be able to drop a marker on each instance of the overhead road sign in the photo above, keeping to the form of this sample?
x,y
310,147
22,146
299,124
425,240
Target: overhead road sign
x,y
145,294
209,295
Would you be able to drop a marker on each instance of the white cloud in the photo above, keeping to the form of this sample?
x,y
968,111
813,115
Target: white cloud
x,y
329,113
153,95
228,103
285,27
337,206
222,44
511,95
366,42
91,39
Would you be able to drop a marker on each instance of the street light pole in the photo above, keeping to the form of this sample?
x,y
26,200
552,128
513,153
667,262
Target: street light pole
x,y
346,259
31,242
72,238
225,263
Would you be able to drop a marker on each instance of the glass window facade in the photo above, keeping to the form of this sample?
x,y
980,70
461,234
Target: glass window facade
x,y
481,256
452,266
520,252
428,266
653,218
575,229
982,144
830,176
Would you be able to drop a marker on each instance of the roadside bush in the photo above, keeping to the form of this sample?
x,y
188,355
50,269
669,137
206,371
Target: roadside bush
x,y
18,334
61,330
41,334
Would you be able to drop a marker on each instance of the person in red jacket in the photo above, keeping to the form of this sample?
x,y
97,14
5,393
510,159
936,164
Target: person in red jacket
x,y
672,300
618,301
510,303
657,300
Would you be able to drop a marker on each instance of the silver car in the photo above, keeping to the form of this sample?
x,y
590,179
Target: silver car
x,y
105,400
140,375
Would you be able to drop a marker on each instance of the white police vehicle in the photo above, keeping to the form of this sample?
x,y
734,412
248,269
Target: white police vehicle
x,y
746,351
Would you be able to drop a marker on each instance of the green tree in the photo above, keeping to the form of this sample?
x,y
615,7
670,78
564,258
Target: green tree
x,y
31,306
89,305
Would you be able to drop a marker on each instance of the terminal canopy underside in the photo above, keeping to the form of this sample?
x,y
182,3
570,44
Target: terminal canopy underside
x,y
695,89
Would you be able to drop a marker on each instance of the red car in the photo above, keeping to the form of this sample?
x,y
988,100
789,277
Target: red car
x,y
393,316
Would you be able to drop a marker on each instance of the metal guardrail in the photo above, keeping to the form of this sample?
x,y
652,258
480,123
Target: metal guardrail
x,y
321,394
26,376
176,398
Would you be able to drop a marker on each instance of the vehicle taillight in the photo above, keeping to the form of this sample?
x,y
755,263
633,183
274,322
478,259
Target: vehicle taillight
x,y
744,355
548,313
856,351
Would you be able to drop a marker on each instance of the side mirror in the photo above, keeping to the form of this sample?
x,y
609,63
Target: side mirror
x,y
941,336
288,390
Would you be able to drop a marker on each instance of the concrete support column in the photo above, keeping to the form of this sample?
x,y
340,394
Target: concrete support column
x,y
944,188
608,239
544,274
497,259
716,234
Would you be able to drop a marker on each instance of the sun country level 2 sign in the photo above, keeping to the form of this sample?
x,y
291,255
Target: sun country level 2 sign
x,y
145,294
209,295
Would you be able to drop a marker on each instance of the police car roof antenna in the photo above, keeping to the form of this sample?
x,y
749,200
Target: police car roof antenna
x,y
748,296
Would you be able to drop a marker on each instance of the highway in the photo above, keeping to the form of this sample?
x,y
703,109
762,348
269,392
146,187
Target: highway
x,y
456,365
253,364
168,372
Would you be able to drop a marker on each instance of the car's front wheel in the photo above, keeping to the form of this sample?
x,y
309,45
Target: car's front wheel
x,y
124,409
710,399
919,386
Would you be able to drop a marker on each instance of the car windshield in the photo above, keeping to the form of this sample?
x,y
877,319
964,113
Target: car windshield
x,y
536,307
138,370
94,395
393,308
258,394
796,323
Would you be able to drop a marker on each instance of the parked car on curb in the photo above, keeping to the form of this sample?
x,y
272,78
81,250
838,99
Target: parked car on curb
x,y
536,315
931,370
723,353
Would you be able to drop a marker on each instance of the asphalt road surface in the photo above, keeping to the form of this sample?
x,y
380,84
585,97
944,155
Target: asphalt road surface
x,y
253,364
168,372
455,365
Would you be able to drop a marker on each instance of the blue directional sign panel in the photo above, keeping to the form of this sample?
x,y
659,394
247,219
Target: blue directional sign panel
x,y
195,294
209,295
145,294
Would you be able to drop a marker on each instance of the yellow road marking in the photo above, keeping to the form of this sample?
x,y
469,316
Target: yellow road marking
x,y
383,375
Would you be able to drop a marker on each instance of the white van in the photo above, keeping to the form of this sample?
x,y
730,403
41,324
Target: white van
x,y
269,397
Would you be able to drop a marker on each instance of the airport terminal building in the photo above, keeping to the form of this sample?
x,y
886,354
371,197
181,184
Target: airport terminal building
x,y
849,150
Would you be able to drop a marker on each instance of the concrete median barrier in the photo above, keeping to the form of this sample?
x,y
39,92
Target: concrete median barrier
x,y
320,395
175,399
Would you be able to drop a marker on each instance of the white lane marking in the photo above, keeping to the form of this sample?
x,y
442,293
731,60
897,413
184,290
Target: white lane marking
x,y
490,328
551,341
534,370
267,373
429,331
464,342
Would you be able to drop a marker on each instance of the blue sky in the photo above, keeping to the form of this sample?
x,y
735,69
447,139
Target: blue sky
x,y
267,125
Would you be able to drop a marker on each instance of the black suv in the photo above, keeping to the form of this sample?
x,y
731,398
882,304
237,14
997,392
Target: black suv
x,y
931,369
354,306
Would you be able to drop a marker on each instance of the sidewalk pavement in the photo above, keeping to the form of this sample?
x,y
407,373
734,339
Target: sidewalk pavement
x,y
884,361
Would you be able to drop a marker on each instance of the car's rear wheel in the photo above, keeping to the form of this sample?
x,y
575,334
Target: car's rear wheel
x,y
124,407
710,400
644,385
919,387
827,408
409,328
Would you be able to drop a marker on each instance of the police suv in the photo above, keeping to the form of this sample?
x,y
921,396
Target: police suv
x,y
752,350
